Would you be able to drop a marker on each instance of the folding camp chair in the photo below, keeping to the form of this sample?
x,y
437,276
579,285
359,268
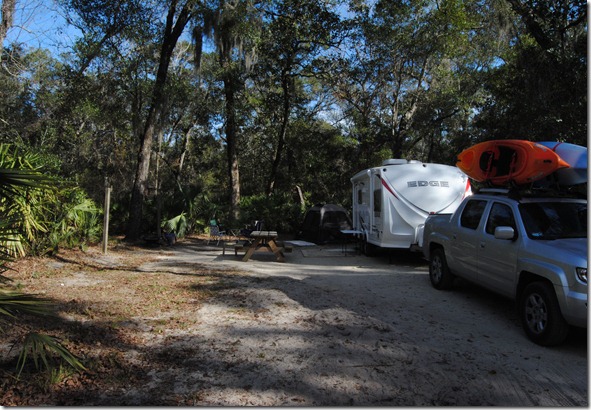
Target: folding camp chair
x,y
215,233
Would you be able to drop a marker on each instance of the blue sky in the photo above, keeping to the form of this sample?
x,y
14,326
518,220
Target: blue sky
x,y
40,24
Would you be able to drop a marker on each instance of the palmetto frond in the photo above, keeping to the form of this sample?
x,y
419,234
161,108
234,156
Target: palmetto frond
x,y
178,225
23,189
12,179
21,213
37,347
20,170
14,303
10,243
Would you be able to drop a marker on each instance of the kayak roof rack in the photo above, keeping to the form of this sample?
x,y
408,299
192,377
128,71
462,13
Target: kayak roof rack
x,y
502,191
527,192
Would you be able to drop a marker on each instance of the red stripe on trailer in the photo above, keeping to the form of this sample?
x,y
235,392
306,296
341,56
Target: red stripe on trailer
x,y
391,190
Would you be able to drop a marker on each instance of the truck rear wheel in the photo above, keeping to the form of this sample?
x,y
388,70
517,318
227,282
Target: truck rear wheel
x,y
540,315
441,277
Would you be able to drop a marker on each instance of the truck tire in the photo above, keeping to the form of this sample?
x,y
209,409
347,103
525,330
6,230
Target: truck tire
x,y
540,315
441,277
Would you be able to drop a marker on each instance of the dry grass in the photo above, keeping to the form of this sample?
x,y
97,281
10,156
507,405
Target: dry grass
x,y
109,309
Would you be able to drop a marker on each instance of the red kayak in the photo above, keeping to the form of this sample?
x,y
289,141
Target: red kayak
x,y
503,161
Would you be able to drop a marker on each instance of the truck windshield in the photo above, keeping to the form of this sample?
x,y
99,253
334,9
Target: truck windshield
x,y
554,220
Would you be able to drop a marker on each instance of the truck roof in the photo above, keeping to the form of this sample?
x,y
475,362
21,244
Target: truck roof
x,y
528,195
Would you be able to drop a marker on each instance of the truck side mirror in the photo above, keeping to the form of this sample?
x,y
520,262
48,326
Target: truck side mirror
x,y
504,232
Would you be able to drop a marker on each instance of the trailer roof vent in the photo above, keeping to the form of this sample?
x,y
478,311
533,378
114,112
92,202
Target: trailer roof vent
x,y
400,161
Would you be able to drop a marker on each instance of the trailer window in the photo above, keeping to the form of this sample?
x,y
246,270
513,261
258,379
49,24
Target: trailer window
x,y
472,213
377,202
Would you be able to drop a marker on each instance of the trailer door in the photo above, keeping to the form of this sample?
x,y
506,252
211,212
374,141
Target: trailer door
x,y
377,207
361,205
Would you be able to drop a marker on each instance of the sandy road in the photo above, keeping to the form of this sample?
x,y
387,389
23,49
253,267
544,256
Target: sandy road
x,y
328,329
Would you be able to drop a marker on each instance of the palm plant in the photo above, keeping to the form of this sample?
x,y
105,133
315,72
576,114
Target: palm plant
x,y
21,180
178,225
43,214
18,178
74,221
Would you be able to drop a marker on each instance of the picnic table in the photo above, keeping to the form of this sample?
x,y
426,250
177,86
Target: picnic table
x,y
264,241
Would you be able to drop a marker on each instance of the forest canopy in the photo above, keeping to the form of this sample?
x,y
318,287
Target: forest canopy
x,y
244,110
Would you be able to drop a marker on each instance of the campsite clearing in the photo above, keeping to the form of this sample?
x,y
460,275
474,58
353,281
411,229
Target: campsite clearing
x,y
186,325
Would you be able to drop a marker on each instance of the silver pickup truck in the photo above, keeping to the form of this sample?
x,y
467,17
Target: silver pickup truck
x,y
531,249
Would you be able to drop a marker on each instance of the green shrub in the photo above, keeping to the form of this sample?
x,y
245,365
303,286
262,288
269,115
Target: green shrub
x,y
279,212
75,220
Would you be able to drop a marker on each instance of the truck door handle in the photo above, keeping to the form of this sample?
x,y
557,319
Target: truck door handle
x,y
454,236
482,245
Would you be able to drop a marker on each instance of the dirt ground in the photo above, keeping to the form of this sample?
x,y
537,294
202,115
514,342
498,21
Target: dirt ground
x,y
186,325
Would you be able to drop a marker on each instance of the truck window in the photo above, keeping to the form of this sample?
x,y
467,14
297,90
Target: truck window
x,y
500,215
472,213
553,220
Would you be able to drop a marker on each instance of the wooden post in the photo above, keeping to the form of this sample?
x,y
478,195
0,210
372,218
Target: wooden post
x,y
106,212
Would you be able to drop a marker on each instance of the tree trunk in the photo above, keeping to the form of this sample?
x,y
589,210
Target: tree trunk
x,y
285,83
231,143
7,20
301,198
186,143
399,132
171,36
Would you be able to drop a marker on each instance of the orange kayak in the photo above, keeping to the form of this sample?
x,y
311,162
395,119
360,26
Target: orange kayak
x,y
502,161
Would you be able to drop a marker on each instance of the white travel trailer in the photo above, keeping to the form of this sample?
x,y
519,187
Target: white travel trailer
x,y
392,202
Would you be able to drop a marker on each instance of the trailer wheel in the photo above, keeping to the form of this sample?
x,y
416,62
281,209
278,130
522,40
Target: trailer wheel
x,y
540,315
441,277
